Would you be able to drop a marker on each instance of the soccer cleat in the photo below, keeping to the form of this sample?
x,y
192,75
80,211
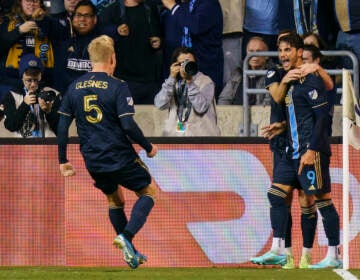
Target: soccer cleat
x,y
328,262
289,262
127,249
305,261
270,258
140,257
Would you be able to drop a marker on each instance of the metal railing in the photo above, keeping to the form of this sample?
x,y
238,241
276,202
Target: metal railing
x,y
247,72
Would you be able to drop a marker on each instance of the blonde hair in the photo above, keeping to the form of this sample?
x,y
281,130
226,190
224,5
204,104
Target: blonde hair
x,y
101,49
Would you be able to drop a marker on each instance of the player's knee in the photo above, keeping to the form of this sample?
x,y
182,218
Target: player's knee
x,y
305,200
277,196
150,191
115,200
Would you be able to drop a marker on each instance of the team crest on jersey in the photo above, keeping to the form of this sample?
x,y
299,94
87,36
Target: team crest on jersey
x,y
130,101
313,94
270,73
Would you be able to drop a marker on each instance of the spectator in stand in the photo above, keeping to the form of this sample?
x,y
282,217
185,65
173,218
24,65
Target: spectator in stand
x,y
137,50
31,110
232,94
199,23
5,7
348,17
309,16
64,18
188,96
103,4
233,15
19,35
311,38
261,19
72,58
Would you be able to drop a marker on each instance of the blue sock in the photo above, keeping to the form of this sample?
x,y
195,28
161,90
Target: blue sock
x,y
308,225
118,219
279,211
330,219
139,215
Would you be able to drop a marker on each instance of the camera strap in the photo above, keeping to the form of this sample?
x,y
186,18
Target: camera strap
x,y
182,98
31,124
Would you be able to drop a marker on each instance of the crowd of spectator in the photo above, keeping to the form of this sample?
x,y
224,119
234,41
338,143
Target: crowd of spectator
x,y
146,32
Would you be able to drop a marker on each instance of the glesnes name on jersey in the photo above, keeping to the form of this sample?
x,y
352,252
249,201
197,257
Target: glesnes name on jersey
x,y
92,84
79,64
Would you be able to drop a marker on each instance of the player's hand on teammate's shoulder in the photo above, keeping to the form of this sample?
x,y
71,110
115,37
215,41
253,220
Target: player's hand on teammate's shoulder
x,y
292,75
153,151
67,169
308,68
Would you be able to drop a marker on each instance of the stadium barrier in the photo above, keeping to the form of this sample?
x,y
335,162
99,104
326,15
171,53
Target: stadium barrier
x,y
212,208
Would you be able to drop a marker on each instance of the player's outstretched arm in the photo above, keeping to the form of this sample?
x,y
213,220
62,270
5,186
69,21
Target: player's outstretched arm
x,y
66,168
134,132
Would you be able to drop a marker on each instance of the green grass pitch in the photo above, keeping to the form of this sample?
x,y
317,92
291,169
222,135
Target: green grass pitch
x,y
86,273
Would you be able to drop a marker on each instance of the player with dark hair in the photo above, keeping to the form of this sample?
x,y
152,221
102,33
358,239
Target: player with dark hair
x,y
308,153
104,109
276,133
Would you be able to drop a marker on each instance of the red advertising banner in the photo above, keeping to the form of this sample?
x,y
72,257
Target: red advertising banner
x,y
211,208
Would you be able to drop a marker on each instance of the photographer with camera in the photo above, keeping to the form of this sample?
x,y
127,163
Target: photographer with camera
x,y
31,111
189,96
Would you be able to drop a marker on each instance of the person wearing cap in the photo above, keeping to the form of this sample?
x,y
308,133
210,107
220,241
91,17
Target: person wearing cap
x,y
20,34
31,111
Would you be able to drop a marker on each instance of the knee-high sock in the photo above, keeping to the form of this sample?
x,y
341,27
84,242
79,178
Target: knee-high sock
x,y
118,218
308,225
330,219
278,211
138,217
288,229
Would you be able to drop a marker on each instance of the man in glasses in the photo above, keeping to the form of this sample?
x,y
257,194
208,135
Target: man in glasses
x,y
31,110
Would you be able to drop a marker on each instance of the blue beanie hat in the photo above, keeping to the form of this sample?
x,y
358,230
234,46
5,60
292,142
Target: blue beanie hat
x,y
29,61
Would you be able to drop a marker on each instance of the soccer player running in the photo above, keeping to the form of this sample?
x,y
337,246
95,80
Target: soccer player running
x,y
308,153
103,109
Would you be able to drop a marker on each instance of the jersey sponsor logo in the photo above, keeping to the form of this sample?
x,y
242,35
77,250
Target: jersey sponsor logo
x,y
313,94
130,101
79,64
270,73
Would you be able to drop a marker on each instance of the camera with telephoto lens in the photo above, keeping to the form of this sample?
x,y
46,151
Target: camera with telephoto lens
x,y
46,95
189,67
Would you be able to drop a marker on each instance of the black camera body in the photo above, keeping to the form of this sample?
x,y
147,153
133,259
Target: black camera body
x,y
189,67
46,95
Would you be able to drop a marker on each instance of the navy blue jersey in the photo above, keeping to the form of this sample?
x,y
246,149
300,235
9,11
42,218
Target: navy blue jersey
x,y
307,117
274,75
97,101
278,111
